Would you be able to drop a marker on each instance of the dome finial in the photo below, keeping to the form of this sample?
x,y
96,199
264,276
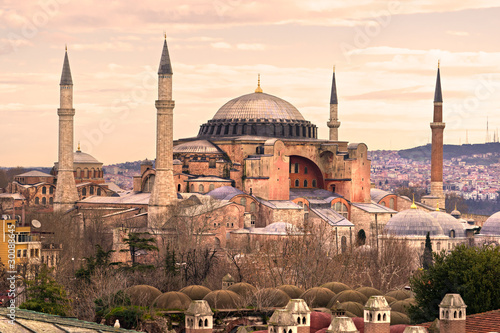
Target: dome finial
x,y
439,62
78,149
437,207
259,89
334,68
413,206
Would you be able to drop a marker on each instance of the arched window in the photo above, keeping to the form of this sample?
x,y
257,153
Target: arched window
x,y
303,320
332,188
438,247
200,323
305,183
192,188
314,183
343,244
99,191
252,220
301,204
452,233
383,204
297,183
391,203
51,200
201,188
78,173
206,322
37,201
178,187
385,317
211,187
341,208
85,173
298,320
84,191
149,184
91,190
44,201
44,190
305,170
379,317
252,207
51,190
243,202
211,163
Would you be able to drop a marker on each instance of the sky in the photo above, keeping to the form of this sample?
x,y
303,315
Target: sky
x,y
385,54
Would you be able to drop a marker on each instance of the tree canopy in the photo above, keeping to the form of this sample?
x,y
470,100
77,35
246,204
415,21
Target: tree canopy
x,y
472,272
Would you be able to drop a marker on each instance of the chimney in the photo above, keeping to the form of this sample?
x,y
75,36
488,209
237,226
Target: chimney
x,y
342,325
227,281
199,317
281,321
452,314
377,315
301,313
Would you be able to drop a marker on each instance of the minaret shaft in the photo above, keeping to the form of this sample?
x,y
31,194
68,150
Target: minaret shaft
x,y
66,194
163,195
333,123
437,127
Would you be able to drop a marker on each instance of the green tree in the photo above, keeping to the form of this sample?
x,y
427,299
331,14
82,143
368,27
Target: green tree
x,y
100,260
136,242
45,295
472,272
361,238
427,257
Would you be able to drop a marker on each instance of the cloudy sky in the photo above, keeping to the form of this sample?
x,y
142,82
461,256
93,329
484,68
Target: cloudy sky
x,y
385,53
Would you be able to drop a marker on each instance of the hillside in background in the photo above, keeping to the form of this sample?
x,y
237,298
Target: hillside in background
x,y
423,153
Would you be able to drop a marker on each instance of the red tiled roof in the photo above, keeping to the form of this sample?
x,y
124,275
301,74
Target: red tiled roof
x,y
480,322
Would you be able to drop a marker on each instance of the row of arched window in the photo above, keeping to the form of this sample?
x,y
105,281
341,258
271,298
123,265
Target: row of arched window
x,y
92,173
92,190
44,201
380,317
446,314
201,322
201,188
51,189
306,183
49,260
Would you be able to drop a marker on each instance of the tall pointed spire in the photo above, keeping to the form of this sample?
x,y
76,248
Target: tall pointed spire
x,y
165,66
66,79
333,94
333,123
438,97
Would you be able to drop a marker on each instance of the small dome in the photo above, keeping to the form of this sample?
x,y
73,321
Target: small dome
x,y
223,299
80,157
369,291
197,146
172,300
455,213
399,294
195,292
413,222
348,296
355,308
448,223
142,295
243,289
401,306
398,318
491,226
318,297
270,298
390,299
258,106
292,291
336,287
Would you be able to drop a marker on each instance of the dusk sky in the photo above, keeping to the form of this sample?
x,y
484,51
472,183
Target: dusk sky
x,y
385,52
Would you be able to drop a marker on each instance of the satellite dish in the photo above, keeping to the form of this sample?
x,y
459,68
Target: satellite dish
x,y
36,223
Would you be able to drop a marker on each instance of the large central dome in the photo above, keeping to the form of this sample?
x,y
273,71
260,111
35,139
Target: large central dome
x,y
258,114
258,106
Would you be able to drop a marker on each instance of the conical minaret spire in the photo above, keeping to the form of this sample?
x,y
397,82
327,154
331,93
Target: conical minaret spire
x,y
66,194
437,127
333,123
163,195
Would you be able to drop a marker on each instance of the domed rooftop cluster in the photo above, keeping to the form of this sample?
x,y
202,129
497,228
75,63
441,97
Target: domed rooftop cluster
x,y
416,222
258,114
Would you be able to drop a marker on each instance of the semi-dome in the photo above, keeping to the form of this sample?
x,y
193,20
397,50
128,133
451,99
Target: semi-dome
x,y
197,146
413,222
491,226
450,225
258,114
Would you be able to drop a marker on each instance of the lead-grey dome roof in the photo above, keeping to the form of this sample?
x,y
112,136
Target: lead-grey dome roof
x,y
448,223
258,106
491,226
413,222
197,146
81,157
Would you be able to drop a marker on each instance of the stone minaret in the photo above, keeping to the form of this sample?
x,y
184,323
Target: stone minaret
x,y
437,127
163,195
452,314
377,315
66,194
334,122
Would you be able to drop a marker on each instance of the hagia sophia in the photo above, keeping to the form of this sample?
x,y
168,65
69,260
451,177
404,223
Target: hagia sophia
x,y
256,171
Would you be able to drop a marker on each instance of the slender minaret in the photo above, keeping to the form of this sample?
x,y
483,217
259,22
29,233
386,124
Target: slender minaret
x,y
334,122
437,127
66,194
163,194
